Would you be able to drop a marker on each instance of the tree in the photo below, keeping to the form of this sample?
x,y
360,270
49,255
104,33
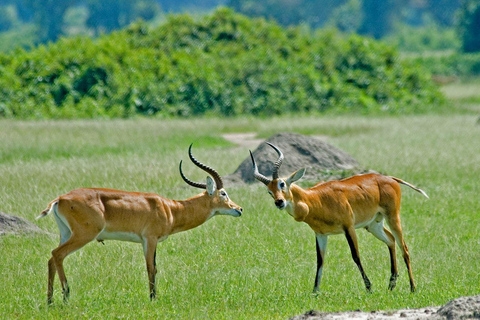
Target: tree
x,y
469,25
6,19
377,20
48,16
443,11
109,15
314,13
24,10
182,5
348,17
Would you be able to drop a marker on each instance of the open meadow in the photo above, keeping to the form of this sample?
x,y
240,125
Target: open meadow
x,y
258,266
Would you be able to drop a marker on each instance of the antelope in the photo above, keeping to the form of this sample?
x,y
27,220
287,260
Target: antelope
x,y
340,207
86,214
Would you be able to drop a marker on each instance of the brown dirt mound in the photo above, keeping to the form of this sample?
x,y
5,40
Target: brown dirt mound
x,y
461,308
13,224
322,160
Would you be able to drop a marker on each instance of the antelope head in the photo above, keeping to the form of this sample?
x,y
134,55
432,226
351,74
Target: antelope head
x,y
278,188
218,198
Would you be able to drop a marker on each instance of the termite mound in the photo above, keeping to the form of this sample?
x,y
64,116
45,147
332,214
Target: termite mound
x,y
460,308
322,160
14,224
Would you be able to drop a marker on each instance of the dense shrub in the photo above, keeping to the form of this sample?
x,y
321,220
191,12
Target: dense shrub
x,y
224,64
430,37
455,64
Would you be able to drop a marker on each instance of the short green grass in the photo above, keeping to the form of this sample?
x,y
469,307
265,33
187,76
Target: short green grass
x,y
464,94
258,266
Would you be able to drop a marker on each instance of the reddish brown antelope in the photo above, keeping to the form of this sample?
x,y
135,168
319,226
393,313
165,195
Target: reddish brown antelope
x,y
340,207
86,214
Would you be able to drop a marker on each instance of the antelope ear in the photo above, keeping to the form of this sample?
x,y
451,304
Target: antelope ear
x,y
211,186
297,175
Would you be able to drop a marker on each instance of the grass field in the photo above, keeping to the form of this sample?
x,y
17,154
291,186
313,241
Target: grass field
x,y
259,266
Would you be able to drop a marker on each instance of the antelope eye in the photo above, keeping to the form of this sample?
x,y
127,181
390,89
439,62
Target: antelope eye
x,y
282,185
223,194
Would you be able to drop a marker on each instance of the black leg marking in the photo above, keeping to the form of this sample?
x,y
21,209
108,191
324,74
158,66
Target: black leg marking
x,y
319,266
394,276
356,258
66,292
321,247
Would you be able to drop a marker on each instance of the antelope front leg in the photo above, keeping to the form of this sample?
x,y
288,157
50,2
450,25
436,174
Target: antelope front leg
x,y
352,242
150,248
321,245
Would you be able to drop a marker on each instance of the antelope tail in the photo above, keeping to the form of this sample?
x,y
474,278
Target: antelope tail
x,y
48,209
411,186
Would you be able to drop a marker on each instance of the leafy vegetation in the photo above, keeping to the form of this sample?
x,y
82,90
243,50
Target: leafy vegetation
x,y
224,64
452,64
428,38
367,17
259,266
52,18
23,36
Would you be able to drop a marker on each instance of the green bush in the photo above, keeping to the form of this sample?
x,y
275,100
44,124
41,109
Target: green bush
x,y
455,64
223,64
426,38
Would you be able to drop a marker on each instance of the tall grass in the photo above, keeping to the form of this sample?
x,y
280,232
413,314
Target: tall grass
x,y
261,265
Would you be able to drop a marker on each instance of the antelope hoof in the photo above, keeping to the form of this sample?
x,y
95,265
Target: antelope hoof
x,y
412,287
153,295
368,285
65,297
66,293
393,282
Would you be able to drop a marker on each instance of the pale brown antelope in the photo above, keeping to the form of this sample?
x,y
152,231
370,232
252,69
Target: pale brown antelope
x,y
336,207
86,214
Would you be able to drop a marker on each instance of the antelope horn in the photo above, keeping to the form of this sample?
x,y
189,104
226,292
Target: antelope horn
x,y
260,177
277,163
211,171
190,182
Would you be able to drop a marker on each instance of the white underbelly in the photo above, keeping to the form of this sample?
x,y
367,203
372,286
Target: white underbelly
x,y
378,217
122,236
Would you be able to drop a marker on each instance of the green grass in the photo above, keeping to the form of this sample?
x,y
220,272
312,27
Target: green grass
x,y
259,266
465,94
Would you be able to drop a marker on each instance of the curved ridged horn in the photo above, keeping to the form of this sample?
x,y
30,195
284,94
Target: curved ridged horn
x,y
260,177
277,163
211,171
190,182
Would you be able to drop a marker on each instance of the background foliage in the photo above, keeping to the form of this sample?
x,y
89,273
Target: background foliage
x,y
224,63
424,39
372,17
455,64
469,25
377,18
